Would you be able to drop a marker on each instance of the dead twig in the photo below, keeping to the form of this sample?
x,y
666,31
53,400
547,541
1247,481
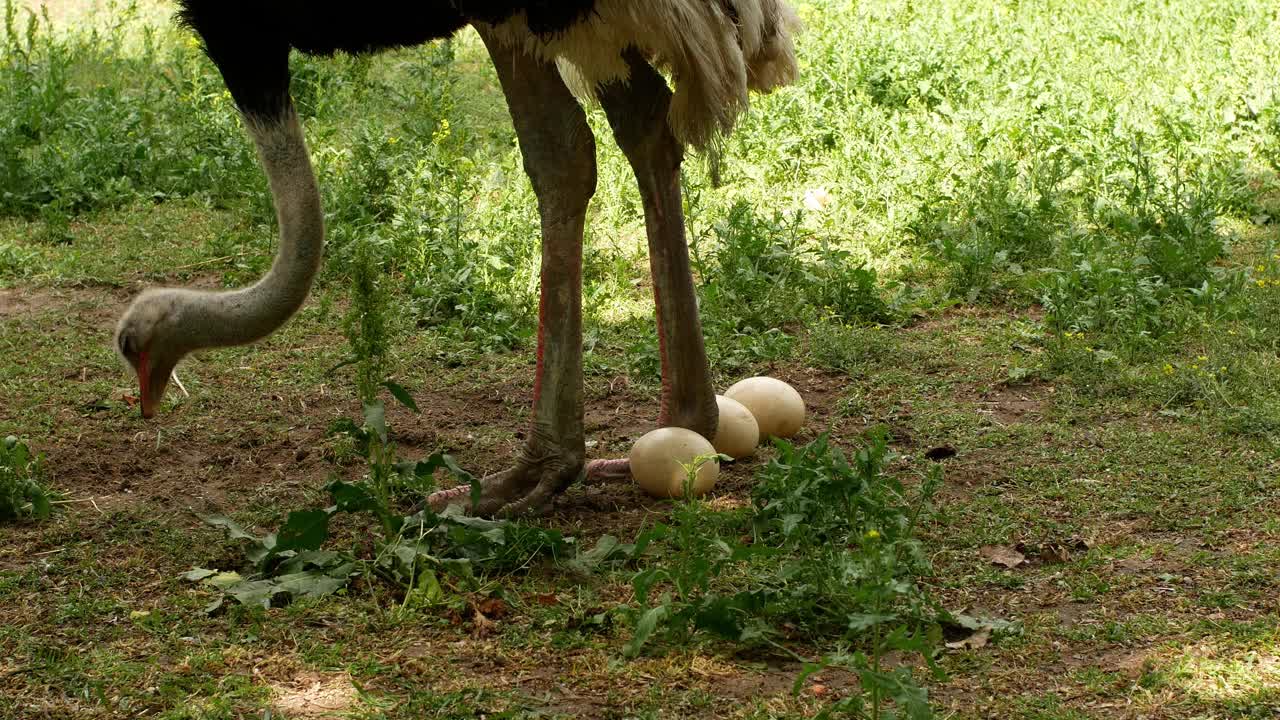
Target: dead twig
x,y
208,262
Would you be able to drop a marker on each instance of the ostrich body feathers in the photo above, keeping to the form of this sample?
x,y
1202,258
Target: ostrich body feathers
x,y
715,50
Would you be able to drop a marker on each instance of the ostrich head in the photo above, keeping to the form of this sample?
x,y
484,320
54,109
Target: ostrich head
x,y
151,339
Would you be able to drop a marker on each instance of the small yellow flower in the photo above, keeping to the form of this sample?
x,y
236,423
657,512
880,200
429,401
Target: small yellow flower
x,y
1168,369
873,534
1202,358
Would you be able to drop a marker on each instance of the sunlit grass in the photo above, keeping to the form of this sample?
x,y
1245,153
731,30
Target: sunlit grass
x,y
1224,675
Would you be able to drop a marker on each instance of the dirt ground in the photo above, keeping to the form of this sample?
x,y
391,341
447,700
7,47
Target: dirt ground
x,y
254,437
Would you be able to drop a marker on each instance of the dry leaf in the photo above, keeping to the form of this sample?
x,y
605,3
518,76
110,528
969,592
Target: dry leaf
x,y
1003,555
481,626
491,607
975,641
1054,553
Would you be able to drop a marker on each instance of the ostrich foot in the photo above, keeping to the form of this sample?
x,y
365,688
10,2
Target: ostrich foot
x,y
525,489
609,470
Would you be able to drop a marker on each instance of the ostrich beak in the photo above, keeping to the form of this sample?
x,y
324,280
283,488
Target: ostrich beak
x,y
144,386
153,379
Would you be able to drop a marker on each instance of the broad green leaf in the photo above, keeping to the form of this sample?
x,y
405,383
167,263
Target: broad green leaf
x,y
345,426
353,498
606,548
645,580
720,615
196,574
259,554
790,522
659,531
458,472
233,530
862,621
407,554
645,628
254,593
457,516
313,583
462,569
427,589
41,507
375,418
399,393
316,559
303,530
225,580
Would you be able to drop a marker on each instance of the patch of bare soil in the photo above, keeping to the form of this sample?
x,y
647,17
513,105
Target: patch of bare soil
x,y
231,444
1007,405
274,447
27,302
313,696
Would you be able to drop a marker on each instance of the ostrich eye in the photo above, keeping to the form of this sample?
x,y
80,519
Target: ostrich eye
x,y
128,345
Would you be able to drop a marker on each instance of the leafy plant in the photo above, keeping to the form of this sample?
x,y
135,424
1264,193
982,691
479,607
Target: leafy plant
x,y
696,557
414,553
1006,215
761,276
23,495
833,554
79,146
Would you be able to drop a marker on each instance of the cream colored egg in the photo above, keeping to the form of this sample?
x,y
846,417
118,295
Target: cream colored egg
x,y
656,462
777,407
738,433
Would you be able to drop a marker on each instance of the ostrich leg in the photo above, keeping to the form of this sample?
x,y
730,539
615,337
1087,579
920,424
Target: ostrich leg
x,y
559,157
637,111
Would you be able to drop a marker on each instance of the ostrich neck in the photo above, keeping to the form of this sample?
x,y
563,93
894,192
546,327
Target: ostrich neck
x,y
218,319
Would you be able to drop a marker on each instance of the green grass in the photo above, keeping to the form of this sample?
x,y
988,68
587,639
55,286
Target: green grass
x,y
1041,233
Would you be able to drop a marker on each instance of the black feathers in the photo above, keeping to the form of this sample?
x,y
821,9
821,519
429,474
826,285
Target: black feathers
x,y
545,17
250,41
248,44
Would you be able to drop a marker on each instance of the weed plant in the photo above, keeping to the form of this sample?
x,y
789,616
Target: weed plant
x,y
831,553
23,495
419,553
72,139
763,277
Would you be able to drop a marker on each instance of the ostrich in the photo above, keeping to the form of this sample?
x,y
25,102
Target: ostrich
x,y
612,50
